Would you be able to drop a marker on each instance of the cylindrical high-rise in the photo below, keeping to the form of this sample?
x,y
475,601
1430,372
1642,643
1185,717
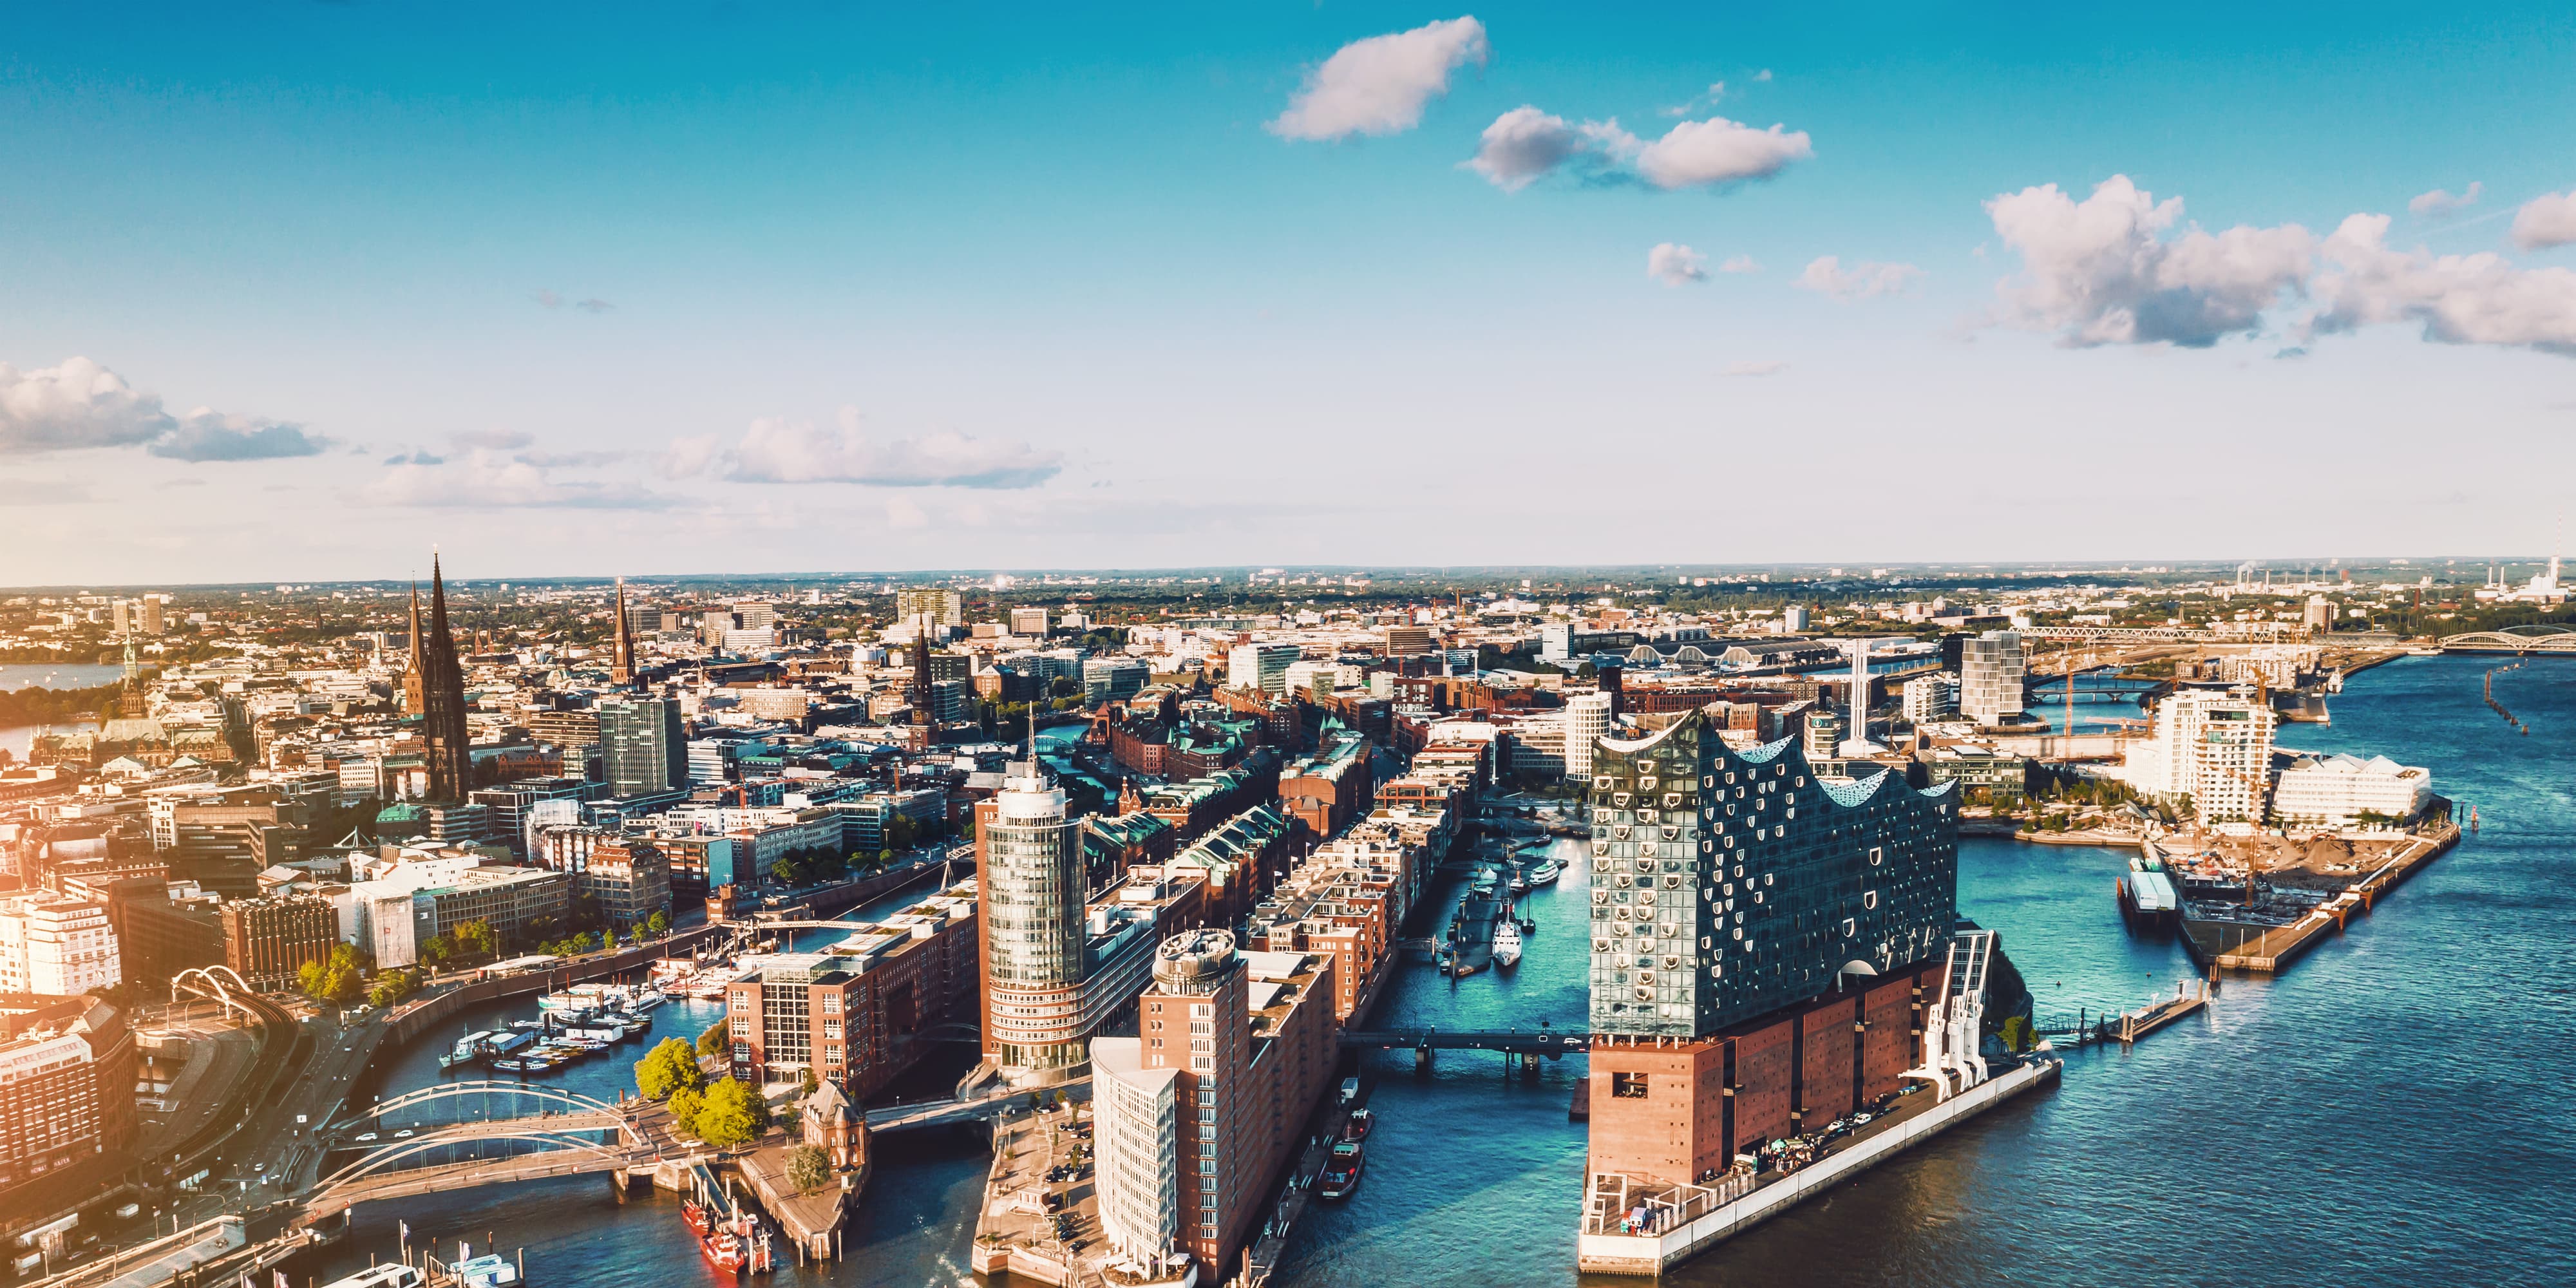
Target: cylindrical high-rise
x,y
1029,867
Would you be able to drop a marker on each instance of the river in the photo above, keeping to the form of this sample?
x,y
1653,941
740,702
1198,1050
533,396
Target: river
x,y
2385,1112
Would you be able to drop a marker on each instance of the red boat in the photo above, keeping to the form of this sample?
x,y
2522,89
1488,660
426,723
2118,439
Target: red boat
x,y
1358,1125
724,1248
696,1217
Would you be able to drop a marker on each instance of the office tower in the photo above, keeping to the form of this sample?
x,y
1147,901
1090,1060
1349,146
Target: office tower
x,y
125,617
1793,619
153,623
643,746
755,614
268,941
67,1091
1031,622
1990,677
1587,718
56,946
1261,666
1197,1115
1757,929
942,607
1028,858
621,670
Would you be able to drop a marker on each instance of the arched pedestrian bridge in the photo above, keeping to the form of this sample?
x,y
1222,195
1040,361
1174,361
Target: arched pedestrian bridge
x,y
463,1134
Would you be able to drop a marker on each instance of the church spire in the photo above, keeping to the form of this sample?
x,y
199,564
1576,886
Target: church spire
x,y
622,668
451,759
413,701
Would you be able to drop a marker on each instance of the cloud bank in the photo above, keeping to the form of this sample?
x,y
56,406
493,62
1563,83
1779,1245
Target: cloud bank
x,y
1526,144
80,405
785,451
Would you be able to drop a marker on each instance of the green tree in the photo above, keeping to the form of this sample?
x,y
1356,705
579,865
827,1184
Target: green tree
x,y
686,1104
809,1168
658,924
717,1039
670,1066
392,986
900,832
438,948
734,1115
478,936
807,1085
340,977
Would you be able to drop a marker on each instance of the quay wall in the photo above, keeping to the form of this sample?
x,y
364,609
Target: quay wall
x,y
1651,1255
415,1018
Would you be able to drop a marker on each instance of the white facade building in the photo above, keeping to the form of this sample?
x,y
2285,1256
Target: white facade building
x,y
1587,718
1929,698
2335,791
2211,748
1990,677
1261,666
56,945
1136,1142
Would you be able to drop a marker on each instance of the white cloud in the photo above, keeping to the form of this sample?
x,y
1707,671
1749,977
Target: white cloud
x,y
2437,203
496,439
81,404
1739,264
1827,276
1756,368
2457,299
1673,264
1380,85
488,480
1762,76
2102,271
204,435
902,513
1717,152
785,451
2546,221
1523,144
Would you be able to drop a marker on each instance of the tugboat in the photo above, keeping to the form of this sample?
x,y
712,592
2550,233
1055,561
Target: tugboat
x,y
1507,943
1341,1172
1360,1123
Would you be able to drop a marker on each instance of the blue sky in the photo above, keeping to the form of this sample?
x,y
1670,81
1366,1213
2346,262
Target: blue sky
x,y
746,287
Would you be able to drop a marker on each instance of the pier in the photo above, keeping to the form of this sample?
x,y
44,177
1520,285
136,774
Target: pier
x,y
2267,949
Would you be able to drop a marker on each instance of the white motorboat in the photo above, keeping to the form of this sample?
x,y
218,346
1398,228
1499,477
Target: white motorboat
x,y
1507,942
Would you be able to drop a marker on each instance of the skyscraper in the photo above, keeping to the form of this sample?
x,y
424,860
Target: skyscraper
x,y
643,747
1990,677
1028,857
437,685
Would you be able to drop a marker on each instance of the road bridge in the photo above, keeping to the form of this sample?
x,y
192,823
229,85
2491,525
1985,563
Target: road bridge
x,y
1542,1040
944,1113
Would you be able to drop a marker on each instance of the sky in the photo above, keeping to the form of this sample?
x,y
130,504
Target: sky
x,y
297,291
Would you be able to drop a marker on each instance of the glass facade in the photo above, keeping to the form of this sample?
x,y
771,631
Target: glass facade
x,y
1727,886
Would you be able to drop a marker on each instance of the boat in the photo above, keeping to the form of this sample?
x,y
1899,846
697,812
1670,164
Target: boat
x,y
563,1002
391,1274
1360,1123
1507,943
1546,872
724,1248
696,1216
467,1050
2147,896
1341,1172
491,1270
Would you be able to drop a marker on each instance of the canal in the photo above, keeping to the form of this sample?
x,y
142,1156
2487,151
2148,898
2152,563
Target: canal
x,y
2386,1112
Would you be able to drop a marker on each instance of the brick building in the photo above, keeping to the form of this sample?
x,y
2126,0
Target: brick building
x,y
67,1115
268,941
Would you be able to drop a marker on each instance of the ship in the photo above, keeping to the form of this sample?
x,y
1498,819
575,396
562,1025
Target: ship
x,y
1507,943
1471,931
2147,896
1341,1173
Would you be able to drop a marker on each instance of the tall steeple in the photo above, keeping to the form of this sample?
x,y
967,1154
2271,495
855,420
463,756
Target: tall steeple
x,y
922,713
413,704
622,669
451,760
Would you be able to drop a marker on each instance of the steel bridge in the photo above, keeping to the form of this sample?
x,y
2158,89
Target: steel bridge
x,y
567,1134
2253,633
2518,640
1539,1041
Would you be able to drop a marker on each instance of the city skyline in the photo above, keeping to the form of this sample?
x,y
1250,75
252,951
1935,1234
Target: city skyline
x,y
1321,286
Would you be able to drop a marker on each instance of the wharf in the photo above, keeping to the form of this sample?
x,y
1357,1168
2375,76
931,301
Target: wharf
x,y
2127,1028
2270,948
811,1220
1693,1218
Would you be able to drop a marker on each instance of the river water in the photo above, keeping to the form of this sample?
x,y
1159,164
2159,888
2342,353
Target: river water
x,y
2384,1113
